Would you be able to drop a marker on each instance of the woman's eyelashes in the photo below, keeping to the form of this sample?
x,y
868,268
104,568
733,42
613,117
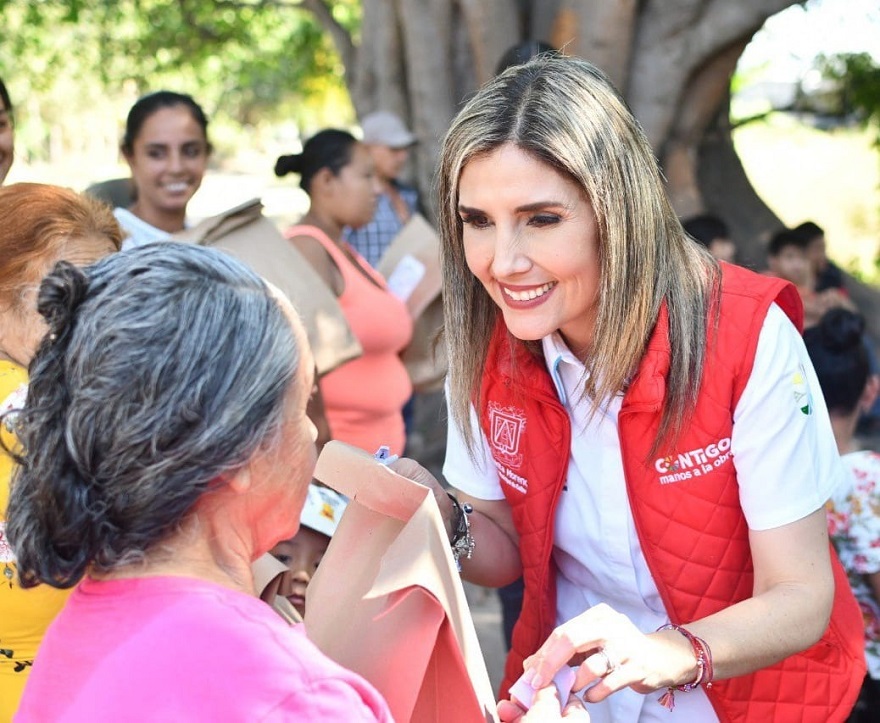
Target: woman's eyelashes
x,y
475,220
544,219
481,221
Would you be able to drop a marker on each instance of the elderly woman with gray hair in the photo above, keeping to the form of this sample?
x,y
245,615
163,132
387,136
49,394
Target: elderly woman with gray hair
x,y
167,446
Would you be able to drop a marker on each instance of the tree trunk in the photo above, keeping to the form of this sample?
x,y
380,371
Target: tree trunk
x,y
672,59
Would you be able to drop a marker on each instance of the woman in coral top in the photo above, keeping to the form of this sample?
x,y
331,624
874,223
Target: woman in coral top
x,y
39,225
363,399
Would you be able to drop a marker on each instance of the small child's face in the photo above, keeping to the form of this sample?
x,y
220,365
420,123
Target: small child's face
x,y
302,554
816,253
723,249
791,264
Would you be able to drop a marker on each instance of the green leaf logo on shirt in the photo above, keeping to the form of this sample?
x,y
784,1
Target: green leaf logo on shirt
x,y
802,396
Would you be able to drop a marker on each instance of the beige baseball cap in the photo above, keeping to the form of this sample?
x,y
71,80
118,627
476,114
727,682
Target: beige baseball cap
x,y
384,128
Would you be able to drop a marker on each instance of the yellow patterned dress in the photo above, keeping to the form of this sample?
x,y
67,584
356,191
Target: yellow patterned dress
x,y
24,614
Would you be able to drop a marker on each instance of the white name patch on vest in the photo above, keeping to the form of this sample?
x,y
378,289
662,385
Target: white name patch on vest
x,y
694,463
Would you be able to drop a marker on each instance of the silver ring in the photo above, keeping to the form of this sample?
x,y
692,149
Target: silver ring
x,y
610,664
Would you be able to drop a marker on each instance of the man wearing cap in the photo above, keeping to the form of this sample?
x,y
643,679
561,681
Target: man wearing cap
x,y
388,141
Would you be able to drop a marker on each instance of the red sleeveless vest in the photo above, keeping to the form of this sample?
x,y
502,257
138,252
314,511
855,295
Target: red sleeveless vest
x,y
685,503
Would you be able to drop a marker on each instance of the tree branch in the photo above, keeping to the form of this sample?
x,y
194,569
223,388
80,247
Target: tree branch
x,y
755,118
341,37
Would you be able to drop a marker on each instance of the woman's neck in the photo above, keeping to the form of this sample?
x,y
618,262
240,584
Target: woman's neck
x,y
170,221
198,551
844,428
325,222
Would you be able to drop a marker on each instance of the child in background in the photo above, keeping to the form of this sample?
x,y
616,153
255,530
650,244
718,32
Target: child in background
x,y
787,258
826,274
713,233
302,553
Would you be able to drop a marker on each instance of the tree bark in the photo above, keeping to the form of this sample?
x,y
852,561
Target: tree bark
x,y
672,60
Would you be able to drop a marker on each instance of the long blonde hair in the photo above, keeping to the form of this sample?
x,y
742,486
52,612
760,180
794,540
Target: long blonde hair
x,y
566,113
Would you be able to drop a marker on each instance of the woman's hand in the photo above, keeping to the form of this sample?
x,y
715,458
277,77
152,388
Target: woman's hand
x,y
613,651
544,708
413,470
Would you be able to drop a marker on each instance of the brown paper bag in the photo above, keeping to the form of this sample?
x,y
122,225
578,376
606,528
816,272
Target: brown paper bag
x,y
269,573
411,265
245,233
387,601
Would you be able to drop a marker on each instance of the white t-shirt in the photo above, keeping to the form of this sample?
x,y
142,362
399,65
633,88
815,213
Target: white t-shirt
x,y
138,232
786,462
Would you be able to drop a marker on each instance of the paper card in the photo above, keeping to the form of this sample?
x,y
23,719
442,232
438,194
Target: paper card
x,y
525,694
407,275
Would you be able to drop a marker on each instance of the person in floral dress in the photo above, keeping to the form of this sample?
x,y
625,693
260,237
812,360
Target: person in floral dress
x,y
838,352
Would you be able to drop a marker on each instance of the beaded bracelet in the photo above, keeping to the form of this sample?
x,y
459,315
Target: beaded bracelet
x,y
705,668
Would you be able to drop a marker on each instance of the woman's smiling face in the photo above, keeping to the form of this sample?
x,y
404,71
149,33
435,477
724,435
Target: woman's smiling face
x,y
168,160
530,236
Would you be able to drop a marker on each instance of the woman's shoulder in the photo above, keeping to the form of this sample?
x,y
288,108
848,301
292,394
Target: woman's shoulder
x,y
137,231
320,251
307,682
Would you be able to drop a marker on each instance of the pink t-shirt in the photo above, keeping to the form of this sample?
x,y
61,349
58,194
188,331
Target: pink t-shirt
x,y
175,648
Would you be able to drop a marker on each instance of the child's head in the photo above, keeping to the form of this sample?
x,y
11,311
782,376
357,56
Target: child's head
x,y
837,350
303,552
787,257
711,232
813,237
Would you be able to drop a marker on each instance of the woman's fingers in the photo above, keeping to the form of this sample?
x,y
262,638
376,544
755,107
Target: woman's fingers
x,y
586,633
509,712
575,711
601,664
545,707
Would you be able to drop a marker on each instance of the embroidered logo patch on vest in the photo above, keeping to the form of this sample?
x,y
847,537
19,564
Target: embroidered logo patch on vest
x,y
694,463
506,425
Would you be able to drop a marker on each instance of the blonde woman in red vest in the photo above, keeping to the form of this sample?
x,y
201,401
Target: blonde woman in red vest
x,y
634,428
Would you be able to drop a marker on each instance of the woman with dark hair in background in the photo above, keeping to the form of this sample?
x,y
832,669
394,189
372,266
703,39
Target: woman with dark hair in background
x,y
39,225
364,398
837,348
167,149
7,133
166,424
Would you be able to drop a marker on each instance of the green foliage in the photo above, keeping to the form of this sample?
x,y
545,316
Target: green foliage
x,y
249,61
858,77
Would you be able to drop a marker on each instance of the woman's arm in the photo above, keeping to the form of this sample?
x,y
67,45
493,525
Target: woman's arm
x,y
789,611
787,464
496,560
791,605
